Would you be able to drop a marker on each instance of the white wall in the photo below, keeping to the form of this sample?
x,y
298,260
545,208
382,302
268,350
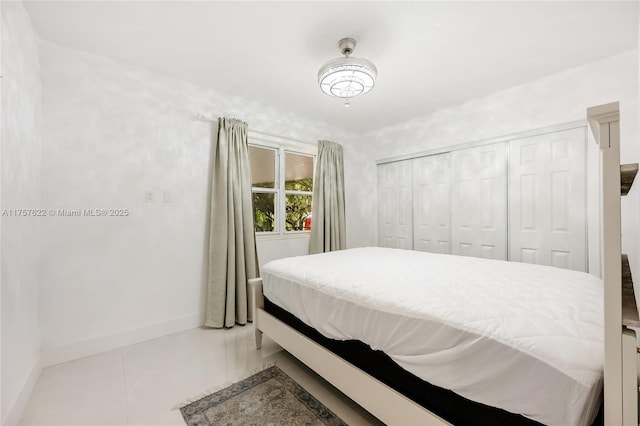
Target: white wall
x,y
559,98
360,193
21,178
111,132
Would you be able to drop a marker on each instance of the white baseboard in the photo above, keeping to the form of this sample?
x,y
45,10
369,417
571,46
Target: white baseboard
x,y
15,412
60,354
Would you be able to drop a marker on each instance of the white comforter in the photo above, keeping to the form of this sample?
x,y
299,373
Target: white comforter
x,y
525,338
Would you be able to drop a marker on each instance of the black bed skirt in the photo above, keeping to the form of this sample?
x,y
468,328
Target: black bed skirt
x,y
445,403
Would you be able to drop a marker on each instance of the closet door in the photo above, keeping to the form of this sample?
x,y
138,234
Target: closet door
x,y
431,203
548,199
479,202
394,201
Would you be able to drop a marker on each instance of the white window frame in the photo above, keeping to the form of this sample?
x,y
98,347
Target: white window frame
x,y
281,148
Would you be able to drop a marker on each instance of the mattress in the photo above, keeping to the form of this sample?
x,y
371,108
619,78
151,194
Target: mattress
x,y
524,338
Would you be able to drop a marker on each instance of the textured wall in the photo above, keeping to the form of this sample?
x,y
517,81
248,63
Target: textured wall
x,y
111,132
21,188
555,99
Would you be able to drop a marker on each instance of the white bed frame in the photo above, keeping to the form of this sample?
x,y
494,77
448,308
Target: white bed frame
x,y
391,407
620,372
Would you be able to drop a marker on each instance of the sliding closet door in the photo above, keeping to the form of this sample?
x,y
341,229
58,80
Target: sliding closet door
x,y
479,202
395,201
548,199
431,203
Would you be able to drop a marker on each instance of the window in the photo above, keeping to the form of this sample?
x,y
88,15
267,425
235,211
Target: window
x,y
282,186
263,184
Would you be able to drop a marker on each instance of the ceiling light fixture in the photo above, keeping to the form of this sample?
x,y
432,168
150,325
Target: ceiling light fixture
x,y
347,77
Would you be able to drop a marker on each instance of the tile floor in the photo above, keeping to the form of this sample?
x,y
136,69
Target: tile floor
x,y
140,384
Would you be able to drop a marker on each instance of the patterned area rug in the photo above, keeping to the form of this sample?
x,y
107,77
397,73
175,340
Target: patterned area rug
x,y
269,397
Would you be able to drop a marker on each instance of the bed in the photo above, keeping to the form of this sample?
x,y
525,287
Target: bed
x,y
563,369
523,338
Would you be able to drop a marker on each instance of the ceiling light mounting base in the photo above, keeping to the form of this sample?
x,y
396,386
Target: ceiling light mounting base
x,y
347,45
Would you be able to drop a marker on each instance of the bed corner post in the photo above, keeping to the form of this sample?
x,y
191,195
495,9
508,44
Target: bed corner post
x,y
604,121
258,305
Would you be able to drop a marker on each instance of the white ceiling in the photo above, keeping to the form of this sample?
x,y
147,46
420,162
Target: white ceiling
x,y
429,55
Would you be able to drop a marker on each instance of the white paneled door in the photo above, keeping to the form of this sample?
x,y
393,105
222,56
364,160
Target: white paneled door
x,y
431,203
479,202
547,199
395,205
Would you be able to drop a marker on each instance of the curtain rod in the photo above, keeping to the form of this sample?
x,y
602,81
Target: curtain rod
x,y
203,117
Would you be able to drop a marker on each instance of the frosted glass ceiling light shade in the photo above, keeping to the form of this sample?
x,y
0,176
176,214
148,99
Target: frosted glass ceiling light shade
x,y
347,77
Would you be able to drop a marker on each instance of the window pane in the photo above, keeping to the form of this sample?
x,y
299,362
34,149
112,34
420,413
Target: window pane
x,y
263,167
298,172
264,211
298,212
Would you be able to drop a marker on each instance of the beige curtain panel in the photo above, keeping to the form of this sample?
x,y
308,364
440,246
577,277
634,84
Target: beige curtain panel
x,y
232,244
328,231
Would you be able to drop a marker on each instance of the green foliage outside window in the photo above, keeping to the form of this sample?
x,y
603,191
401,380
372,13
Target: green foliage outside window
x,y
297,207
264,211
